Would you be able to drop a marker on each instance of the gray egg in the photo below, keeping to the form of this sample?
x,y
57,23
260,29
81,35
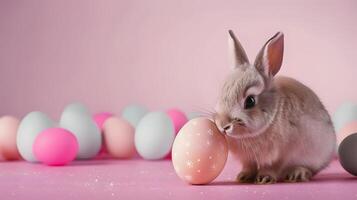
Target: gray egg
x,y
31,125
134,113
77,119
348,154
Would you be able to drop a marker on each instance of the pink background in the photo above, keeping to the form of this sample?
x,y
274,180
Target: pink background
x,y
161,53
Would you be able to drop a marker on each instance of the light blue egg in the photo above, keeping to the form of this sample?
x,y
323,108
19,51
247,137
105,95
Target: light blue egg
x,y
75,108
193,115
134,113
77,119
29,128
154,135
345,114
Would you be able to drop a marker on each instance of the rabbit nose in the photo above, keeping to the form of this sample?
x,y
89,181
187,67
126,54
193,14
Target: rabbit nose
x,y
228,128
239,121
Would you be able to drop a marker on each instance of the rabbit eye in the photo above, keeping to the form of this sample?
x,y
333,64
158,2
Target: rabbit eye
x,y
249,102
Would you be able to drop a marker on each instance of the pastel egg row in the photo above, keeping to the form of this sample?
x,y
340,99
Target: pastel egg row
x,y
78,134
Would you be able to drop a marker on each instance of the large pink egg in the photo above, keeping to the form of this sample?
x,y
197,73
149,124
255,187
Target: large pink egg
x,y
119,137
55,146
199,151
346,130
8,131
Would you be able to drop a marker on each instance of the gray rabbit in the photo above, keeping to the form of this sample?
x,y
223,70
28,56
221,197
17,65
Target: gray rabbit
x,y
276,126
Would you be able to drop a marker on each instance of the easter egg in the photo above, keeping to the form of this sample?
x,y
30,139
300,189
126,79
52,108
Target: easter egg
x,y
154,136
85,129
119,137
100,118
133,114
193,115
178,118
75,108
345,114
29,128
199,152
346,130
347,154
55,146
8,131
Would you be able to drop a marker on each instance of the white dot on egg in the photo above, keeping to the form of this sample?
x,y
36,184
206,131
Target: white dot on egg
x,y
198,160
198,171
210,132
189,164
210,157
208,143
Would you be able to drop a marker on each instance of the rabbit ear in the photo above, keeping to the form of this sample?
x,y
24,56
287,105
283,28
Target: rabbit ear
x,y
270,57
237,55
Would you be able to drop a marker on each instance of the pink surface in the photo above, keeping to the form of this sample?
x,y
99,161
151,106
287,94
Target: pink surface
x,y
163,53
139,179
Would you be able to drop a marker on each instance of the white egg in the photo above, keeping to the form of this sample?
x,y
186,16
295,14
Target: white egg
x,y
154,135
30,126
193,115
77,119
133,114
75,108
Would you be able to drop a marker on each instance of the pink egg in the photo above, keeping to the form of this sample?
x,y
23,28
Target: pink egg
x,y
199,151
119,137
178,118
8,131
347,130
55,146
99,119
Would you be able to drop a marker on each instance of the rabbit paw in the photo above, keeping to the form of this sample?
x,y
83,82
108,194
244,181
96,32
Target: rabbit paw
x,y
246,177
265,179
298,174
